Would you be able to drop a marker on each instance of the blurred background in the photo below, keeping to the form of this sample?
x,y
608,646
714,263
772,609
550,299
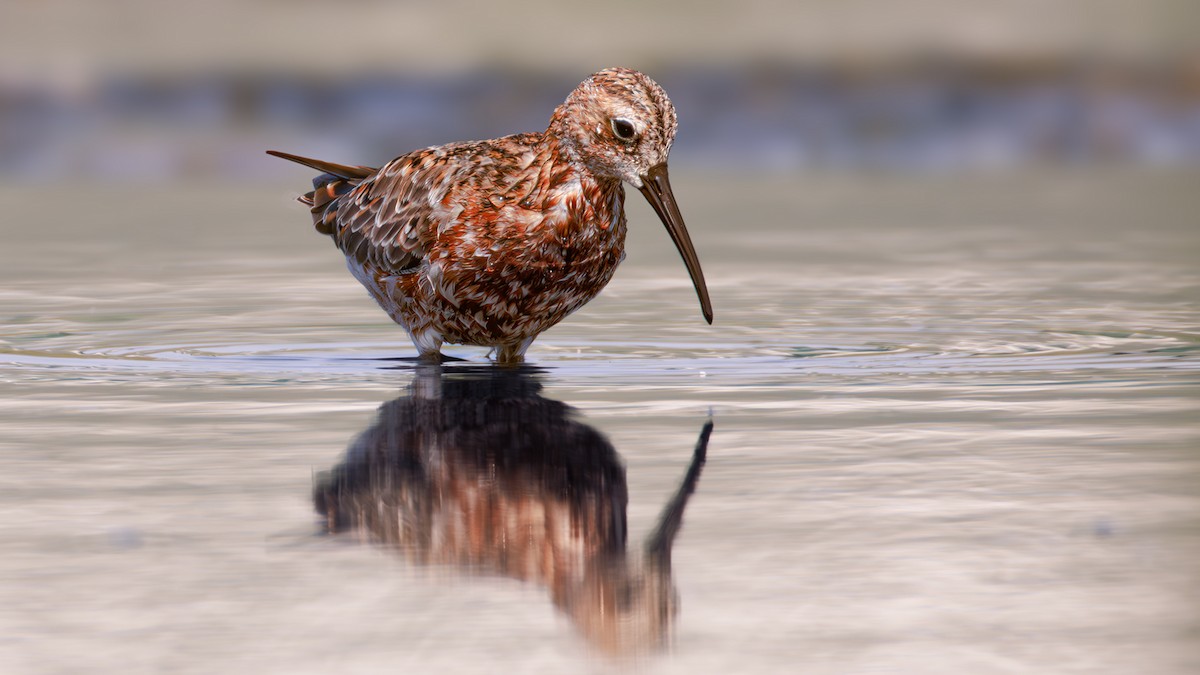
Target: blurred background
x,y
952,251
136,90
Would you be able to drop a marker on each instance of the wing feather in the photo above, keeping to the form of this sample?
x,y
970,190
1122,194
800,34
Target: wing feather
x,y
390,220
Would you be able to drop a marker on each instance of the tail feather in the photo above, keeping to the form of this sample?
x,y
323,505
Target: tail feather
x,y
339,170
335,181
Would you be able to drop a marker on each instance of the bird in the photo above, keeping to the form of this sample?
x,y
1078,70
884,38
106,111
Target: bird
x,y
490,243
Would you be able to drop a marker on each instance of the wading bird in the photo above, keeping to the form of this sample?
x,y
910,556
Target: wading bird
x,y
492,242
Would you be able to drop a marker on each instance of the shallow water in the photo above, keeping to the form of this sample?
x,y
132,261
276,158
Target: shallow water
x,y
954,431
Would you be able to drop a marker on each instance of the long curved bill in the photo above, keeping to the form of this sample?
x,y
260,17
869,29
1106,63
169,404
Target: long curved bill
x,y
657,189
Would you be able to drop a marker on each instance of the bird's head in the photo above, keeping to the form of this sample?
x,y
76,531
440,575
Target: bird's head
x,y
619,124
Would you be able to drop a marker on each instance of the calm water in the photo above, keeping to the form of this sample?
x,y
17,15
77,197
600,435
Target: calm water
x,y
954,431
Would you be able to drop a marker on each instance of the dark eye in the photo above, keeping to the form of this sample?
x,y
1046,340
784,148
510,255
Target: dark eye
x,y
623,129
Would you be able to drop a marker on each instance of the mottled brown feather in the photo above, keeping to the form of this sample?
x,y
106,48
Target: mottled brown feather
x,y
492,242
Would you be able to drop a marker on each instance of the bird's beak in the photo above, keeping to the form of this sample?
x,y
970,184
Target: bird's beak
x,y
657,189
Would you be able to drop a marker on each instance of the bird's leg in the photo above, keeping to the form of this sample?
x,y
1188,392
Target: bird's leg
x,y
512,353
429,345
435,357
507,355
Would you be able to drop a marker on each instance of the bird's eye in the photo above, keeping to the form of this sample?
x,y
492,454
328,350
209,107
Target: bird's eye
x,y
623,129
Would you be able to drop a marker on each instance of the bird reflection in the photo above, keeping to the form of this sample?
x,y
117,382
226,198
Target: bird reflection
x,y
475,469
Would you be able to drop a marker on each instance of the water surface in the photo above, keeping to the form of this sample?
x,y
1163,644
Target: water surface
x,y
954,431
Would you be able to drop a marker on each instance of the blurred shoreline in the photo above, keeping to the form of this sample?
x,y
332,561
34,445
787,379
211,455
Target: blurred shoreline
x,y
144,91
931,114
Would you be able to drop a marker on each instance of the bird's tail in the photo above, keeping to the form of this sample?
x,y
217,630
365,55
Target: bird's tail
x,y
334,181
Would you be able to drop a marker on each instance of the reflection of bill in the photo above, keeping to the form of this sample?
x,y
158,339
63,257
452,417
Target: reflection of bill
x,y
479,471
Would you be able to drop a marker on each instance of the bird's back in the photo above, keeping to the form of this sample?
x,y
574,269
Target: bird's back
x,y
391,218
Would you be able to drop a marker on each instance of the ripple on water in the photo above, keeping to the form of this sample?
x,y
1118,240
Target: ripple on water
x,y
1046,352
